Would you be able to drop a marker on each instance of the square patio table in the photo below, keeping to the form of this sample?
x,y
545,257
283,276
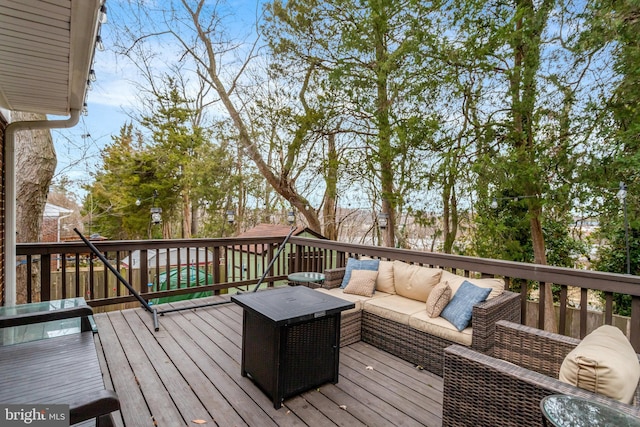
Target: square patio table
x,y
43,330
290,339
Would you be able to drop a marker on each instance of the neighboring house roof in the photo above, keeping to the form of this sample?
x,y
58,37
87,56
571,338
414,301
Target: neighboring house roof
x,y
276,230
53,211
46,52
272,230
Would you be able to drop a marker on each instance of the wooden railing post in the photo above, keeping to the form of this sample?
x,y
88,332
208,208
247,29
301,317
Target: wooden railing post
x,y
635,323
218,259
45,277
542,304
144,271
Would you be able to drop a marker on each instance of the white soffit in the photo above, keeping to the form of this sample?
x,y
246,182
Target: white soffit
x,y
46,51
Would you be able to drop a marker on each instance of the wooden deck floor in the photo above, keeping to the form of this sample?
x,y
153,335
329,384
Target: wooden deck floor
x,y
190,370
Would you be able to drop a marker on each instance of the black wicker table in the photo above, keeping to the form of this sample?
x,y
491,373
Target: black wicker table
x,y
290,339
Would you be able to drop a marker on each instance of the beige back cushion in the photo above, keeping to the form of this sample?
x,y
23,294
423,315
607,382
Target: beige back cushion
x,y
604,362
454,280
414,281
385,281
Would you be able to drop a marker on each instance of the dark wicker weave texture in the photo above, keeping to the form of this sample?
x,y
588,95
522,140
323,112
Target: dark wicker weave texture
x,y
487,313
333,277
535,349
418,347
310,355
426,350
407,343
481,390
350,327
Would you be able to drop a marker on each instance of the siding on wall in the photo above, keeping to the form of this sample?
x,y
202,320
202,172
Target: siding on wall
x,y
3,125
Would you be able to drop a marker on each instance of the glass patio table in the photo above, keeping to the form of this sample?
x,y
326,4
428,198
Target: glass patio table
x,y
38,331
560,410
309,279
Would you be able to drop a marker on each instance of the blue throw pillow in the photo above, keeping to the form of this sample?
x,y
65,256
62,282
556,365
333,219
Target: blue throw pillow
x,y
358,264
460,308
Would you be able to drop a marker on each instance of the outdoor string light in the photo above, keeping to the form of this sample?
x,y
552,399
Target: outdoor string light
x,y
231,216
291,217
102,17
156,212
383,220
99,44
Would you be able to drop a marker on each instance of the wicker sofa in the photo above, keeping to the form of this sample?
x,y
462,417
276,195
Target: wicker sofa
x,y
505,389
370,324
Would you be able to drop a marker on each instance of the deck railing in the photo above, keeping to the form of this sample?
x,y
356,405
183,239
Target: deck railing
x,y
62,270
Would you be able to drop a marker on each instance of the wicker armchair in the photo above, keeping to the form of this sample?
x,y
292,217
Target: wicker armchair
x,y
506,389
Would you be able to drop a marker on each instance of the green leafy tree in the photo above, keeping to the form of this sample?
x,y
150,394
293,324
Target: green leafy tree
x,y
134,177
614,27
530,132
175,143
110,206
372,55
199,30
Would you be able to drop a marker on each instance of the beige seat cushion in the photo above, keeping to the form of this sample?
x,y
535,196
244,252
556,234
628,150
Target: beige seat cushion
x,y
394,307
440,327
413,281
454,280
604,362
362,282
356,299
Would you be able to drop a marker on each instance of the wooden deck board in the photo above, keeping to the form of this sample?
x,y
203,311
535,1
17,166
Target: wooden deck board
x,y
188,361
116,416
190,370
133,407
157,398
185,400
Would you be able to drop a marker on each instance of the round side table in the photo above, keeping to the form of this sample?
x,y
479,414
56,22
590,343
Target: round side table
x,y
309,279
561,410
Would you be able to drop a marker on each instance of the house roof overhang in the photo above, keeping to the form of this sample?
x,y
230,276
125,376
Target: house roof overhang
x,y
46,52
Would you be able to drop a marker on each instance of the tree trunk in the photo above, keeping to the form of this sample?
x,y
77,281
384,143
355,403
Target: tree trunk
x,y
281,183
195,220
36,163
385,152
526,48
331,174
186,215
450,215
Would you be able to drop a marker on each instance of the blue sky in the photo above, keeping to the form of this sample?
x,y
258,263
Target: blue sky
x,y
78,148
114,94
